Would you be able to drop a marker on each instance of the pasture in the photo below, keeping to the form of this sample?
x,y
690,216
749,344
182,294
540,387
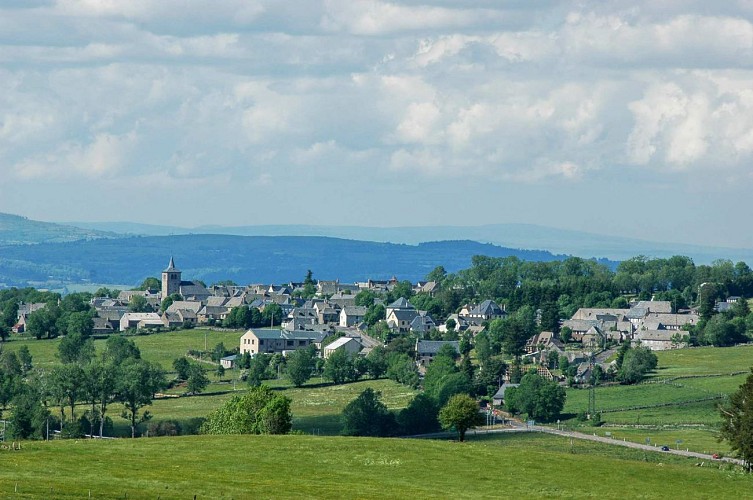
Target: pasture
x,y
517,466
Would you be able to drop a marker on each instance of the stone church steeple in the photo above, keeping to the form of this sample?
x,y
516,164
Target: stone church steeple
x,y
170,280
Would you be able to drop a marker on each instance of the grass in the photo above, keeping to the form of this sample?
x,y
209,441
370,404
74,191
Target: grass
x,y
161,347
704,361
694,439
521,466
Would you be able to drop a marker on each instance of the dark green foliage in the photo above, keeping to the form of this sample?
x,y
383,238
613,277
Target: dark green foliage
x,y
182,366
137,382
259,411
138,304
300,365
537,397
76,348
118,349
377,362
443,380
258,369
401,368
29,420
460,413
737,422
368,416
721,332
218,352
339,367
636,362
420,416
197,379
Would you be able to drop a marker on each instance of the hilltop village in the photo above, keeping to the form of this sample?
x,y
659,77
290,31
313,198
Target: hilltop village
x,y
356,317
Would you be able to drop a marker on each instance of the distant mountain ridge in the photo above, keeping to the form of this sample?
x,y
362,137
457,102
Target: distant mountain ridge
x,y
18,230
243,259
523,236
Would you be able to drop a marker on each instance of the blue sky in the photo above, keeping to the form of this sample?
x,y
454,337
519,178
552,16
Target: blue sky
x,y
626,118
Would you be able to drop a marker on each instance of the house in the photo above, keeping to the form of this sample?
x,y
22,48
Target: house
x,y
272,340
427,349
499,397
423,323
538,342
350,345
664,321
401,319
140,321
352,315
661,340
208,314
400,304
228,362
486,311
102,326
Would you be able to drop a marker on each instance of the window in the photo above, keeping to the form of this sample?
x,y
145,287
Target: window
x,y
289,343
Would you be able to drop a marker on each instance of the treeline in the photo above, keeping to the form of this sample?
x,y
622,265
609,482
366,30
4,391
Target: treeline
x,y
47,400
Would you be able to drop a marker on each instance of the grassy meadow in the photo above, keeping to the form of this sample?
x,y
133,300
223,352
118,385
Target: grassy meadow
x,y
682,377
517,466
316,407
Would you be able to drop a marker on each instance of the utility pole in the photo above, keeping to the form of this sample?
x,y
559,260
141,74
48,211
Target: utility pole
x,y
592,390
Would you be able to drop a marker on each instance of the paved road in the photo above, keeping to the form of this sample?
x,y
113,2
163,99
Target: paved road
x,y
516,426
617,442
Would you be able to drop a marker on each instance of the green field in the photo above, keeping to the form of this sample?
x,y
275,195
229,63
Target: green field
x,y
518,466
159,347
691,375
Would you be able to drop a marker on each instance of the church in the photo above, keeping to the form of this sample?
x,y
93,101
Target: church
x,y
189,290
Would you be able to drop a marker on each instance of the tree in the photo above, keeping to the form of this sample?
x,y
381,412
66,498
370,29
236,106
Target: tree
x,y
101,383
401,368
420,416
259,411
309,287
461,413
218,352
44,322
377,359
182,367
29,414
24,359
258,369
339,367
80,323
66,386
539,398
138,381
168,301
76,348
138,304
737,422
367,416
119,349
150,283
635,364
300,365
197,379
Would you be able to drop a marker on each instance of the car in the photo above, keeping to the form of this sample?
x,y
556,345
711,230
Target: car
x,y
665,448
715,456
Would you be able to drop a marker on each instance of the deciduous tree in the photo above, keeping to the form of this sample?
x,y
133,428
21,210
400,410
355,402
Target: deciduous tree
x,y
461,413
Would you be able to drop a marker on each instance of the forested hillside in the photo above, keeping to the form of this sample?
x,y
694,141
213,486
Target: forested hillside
x,y
238,258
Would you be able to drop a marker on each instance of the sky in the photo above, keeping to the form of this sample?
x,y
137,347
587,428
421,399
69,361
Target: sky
x,y
624,118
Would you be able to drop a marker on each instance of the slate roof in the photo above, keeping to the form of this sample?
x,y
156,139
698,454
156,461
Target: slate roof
x,y
171,267
426,347
401,303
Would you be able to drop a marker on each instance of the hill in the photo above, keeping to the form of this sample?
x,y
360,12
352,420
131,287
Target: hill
x,y
243,259
525,236
17,230
522,466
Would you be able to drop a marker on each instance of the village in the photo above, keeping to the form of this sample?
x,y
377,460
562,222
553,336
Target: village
x,y
333,316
